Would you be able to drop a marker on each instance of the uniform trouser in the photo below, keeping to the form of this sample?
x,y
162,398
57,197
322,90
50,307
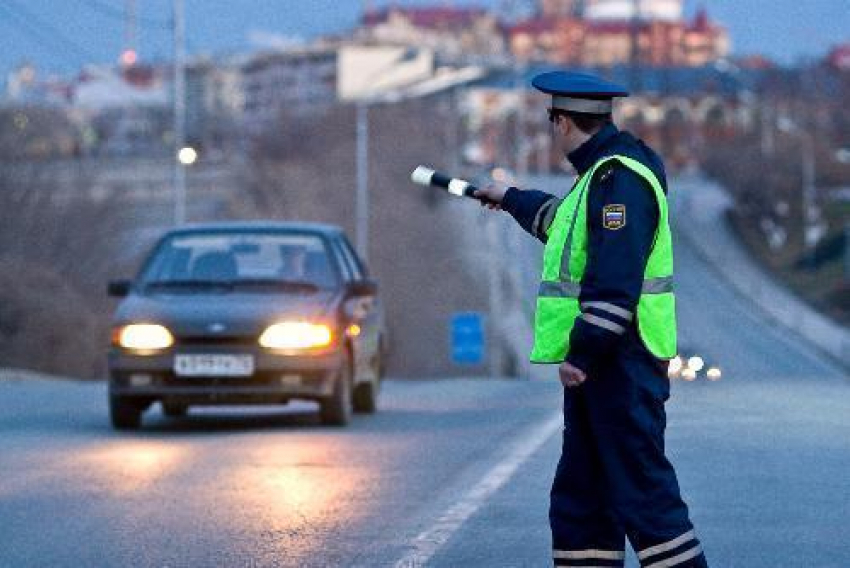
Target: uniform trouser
x,y
613,480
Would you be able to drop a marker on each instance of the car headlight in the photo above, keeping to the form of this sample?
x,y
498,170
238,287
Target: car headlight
x,y
144,337
296,335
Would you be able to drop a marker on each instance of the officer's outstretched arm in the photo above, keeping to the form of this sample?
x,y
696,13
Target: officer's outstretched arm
x,y
533,210
622,218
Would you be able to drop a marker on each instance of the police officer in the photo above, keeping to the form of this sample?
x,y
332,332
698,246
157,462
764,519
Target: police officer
x,y
606,315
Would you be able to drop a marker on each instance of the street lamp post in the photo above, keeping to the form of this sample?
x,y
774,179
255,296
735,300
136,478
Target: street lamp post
x,y
365,99
361,206
809,206
179,113
808,198
842,156
847,250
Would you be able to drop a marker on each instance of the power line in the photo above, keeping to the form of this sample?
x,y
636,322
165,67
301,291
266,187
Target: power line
x,y
46,33
35,38
41,32
45,30
116,13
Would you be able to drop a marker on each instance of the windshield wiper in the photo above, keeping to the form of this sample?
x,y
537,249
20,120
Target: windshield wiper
x,y
295,285
189,283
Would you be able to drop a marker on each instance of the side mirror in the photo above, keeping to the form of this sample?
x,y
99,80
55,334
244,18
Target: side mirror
x,y
363,288
119,288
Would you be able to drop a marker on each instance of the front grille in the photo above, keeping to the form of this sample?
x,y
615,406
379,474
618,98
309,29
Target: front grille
x,y
260,378
215,340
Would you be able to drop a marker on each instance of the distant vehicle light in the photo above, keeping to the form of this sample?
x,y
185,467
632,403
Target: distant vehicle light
x,y
696,363
295,335
675,366
144,337
354,330
689,374
714,374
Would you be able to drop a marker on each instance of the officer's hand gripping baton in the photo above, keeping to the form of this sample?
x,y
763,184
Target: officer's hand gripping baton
x,y
459,187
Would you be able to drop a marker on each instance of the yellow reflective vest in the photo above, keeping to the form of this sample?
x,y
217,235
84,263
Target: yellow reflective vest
x,y
564,261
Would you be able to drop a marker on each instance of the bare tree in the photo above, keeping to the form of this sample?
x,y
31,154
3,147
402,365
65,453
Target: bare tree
x,y
55,251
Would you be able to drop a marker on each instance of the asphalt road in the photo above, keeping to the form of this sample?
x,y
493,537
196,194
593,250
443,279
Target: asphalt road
x,y
449,473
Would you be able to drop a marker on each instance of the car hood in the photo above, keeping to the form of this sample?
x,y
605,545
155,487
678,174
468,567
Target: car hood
x,y
224,314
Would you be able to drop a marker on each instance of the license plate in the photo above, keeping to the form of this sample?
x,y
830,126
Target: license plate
x,y
214,365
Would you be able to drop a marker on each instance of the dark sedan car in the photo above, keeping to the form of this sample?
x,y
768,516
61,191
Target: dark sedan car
x,y
245,314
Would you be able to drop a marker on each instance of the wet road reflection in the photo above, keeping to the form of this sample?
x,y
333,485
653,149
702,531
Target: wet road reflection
x,y
127,466
243,486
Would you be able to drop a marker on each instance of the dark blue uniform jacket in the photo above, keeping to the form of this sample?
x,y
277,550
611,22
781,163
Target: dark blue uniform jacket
x,y
617,256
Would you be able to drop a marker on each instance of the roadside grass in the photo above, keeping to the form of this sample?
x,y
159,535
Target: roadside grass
x,y
819,278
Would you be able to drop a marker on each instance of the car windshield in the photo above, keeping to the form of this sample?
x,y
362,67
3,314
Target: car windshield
x,y
245,260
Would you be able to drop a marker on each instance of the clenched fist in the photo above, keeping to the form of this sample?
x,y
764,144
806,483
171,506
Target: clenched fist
x,y
570,375
495,193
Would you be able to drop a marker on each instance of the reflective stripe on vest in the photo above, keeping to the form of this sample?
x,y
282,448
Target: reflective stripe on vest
x,y
564,261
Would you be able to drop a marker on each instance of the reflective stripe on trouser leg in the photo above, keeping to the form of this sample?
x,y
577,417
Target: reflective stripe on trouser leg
x,y
589,557
679,551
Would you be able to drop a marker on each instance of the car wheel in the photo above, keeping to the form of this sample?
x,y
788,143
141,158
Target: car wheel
x,y
365,398
175,410
125,413
336,410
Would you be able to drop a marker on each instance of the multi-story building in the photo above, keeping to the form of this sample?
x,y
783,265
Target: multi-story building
x,y
560,8
364,72
214,101
295,81
625,10
453,33
610,34
25,87
591,33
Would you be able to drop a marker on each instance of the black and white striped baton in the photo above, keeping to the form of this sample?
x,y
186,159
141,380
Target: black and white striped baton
x,y
426,176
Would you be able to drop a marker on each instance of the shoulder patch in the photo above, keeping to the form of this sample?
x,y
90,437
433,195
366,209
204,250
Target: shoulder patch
x,y
614,217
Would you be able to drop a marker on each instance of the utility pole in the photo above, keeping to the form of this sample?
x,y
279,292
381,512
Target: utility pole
x,y
179,112
847,250
810,212
361,205
495,298
520,134
768,145
453,125
130,54
635,55
130,26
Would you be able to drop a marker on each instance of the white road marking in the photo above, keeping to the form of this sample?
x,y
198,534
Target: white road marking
x,y
430,541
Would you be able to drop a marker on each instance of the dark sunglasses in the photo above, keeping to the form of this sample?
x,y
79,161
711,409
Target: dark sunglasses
x,y
554,114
